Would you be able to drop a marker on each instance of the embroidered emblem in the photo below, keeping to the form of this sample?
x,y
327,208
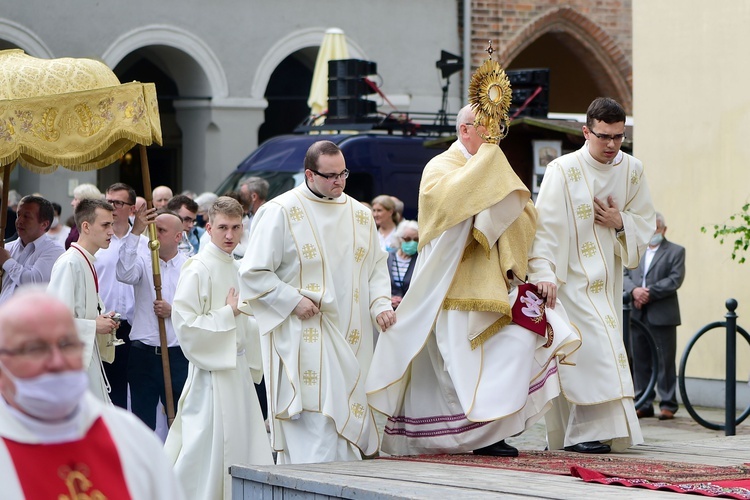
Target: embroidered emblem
x,y
310,377
574,174
610,321
356,295
7,130
358,410
622,360
634,179
359,254
312,287
597,286
77,483
353,337
362,217
534,307
309,251
310,335
296,214
584,211
588,249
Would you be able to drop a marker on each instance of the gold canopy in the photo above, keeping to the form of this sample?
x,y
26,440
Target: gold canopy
x,y
70,112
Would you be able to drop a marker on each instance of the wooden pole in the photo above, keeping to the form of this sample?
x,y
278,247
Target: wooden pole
x,y
4,207
153,245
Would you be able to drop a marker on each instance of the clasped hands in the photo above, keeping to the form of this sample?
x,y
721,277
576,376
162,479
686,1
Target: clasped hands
x,y
306,309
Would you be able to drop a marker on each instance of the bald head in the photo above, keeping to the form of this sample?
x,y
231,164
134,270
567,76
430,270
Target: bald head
x,y
169,232
22,314
161,195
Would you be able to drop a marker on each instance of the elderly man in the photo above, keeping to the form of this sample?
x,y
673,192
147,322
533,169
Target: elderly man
x,y
58,441
460,371
218,421
75,282
144,370
30,258
253,194
316,280
595,216
161,196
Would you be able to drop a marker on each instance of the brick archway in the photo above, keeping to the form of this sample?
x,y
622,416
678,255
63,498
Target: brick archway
x,y
610,67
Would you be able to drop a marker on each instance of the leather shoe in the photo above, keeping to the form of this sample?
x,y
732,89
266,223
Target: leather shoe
x,y
499,449
646,411
589,447
666,415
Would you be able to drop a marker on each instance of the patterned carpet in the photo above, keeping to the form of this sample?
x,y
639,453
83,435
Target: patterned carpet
x,y
710,480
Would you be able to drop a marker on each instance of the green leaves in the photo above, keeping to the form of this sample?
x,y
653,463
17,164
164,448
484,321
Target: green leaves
x,y
738,233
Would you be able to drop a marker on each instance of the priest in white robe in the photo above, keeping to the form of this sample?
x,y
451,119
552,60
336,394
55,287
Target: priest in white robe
x,y
455,374
317,281
218,421
58,441
595,216
74,281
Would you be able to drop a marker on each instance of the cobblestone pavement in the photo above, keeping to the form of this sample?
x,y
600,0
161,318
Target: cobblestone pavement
x,y
681,428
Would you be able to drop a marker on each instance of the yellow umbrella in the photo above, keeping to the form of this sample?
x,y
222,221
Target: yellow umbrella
x,y
75,113
333,47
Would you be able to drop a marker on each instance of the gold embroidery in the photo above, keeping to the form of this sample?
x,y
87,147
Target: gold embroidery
x,y
634,179
296,214
359,254
353,337
309,251
574,174
584,211
358,410
597,286
610,321
362,217
310,377
623,361
78,485
310,335
312,287
356,295
588,249
7,131
46,129
90,125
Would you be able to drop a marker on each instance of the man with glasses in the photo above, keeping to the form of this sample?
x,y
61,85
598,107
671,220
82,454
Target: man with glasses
x,y
595,216
57,439
316,280
117,296
187,209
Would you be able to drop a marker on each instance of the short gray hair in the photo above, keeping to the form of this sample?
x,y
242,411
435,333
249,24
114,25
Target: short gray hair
x,y
87,192
660,218
405,225
463,117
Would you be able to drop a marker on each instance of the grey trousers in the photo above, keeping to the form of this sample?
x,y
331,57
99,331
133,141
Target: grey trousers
x,y
665,338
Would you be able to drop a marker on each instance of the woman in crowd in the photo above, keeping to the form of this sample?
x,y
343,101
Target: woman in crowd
x,y
401,262
384,212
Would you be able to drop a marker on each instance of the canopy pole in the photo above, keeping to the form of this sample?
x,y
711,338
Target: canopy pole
x,y
153,245
4,214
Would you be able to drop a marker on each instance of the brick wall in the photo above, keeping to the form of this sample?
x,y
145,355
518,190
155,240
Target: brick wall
x,y
600,30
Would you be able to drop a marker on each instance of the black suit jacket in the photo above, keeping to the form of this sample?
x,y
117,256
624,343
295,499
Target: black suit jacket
x,y
395,290
664,277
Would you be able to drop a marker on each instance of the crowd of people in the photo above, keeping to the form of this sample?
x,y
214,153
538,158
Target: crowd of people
x,y
300,315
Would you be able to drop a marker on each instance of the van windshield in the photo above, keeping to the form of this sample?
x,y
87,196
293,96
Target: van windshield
x,y
278,182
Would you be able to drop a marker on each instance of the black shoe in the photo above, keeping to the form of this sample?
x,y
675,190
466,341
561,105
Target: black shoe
x,y
499,449
589,447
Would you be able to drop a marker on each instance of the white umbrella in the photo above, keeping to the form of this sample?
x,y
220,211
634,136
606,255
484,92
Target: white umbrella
x,y
332,47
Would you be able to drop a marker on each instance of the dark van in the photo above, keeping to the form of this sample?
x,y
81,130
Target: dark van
x,y
378,164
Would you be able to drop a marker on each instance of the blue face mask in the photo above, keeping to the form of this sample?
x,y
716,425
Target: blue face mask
x,y
656,240
409,247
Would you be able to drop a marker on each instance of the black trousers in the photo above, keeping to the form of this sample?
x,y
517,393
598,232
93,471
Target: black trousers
x,y
146,379
117,371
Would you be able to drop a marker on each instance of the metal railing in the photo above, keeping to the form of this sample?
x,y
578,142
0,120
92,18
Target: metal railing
x,y
731,328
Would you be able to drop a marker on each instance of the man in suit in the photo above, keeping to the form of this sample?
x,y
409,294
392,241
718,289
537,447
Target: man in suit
x,y
653,286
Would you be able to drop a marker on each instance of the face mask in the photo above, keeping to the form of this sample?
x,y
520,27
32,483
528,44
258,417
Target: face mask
x,y
409,247
50,396
55,222
656,239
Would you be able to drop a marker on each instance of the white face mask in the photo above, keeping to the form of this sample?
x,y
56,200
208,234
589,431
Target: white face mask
x,y
50,396
656,240
55,222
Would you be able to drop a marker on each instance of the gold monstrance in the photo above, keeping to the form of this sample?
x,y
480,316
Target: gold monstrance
x,y
490,98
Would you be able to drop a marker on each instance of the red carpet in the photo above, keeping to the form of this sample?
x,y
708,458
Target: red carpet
x,y
710,480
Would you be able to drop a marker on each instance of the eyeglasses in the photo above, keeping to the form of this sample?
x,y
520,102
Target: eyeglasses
x,y
39,351
606,138
408,239
119,204
342,175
